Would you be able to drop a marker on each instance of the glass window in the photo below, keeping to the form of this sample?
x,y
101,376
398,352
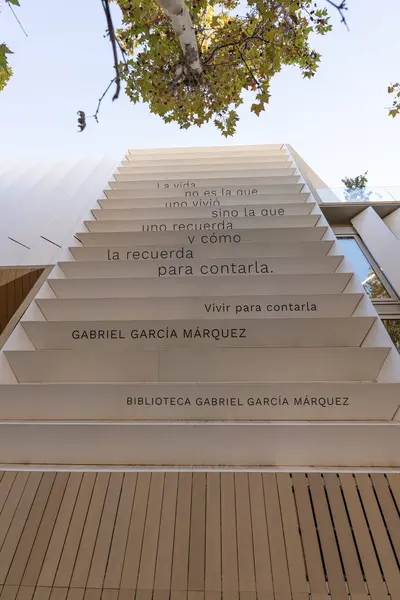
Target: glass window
x,y
363,269
393,329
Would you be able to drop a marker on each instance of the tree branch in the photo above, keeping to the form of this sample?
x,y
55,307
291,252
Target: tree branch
x,y
113,40
15,15
95,116
254,78
340,8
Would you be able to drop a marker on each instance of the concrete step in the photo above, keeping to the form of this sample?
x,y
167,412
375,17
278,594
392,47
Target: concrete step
x,y
192,333
202,224
182,170
295,444
227,212
207,201
203,364
204,237
151,253
198,267
264,401
213,307
236,285
211,191
225,178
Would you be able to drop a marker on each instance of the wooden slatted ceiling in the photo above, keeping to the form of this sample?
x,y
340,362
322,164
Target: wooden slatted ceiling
x,y
15,285
199,536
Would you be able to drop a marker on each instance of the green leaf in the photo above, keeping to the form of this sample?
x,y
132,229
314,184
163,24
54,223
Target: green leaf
x,y
15,2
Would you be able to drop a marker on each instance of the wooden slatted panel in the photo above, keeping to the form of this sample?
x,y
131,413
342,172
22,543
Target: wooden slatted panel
x,y
369,559
312,554
198,536
15,285
348,548
379,534
326,532
115,563
294,545
135,536
180,559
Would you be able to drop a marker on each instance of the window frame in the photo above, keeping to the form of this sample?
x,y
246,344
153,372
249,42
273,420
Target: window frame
x,y
394,299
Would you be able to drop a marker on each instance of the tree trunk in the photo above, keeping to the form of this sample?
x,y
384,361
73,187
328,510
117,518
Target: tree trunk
x,y
182,24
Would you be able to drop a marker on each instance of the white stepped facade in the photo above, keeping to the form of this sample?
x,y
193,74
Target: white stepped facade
x,y
204,315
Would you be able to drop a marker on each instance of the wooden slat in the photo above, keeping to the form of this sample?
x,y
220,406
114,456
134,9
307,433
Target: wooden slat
x,y
89,536
11,503
394,483
197,543
213,569
42,593
329,547
151,533
135,536
25,544
59,593
45,530
102,547
312,553
115,564
180,560
162,579
352,567
60,531
230,574
92,594
75,594
294,549
71,545
26,592
9,592
7,481
262,553
388,508
247,581
379,534
280,571
18,523
375,583
109,594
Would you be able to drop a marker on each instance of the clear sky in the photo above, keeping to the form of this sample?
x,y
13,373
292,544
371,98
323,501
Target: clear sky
x,y
337,121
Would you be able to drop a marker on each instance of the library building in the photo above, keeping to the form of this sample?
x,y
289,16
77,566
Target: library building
x,y
199,380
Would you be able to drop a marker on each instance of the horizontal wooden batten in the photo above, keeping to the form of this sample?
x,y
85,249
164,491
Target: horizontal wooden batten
x,y
203,237
205,364
183,168
143,287
293,444
202,224
190,333
254,211
280,401
212,191
213,307
206,267
287,174
151,253
206,201
208,151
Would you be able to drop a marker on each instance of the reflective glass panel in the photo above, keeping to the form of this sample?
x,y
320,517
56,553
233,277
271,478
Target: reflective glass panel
x,y
363,269
393,329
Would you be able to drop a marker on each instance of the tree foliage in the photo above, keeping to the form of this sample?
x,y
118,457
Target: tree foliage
x,y
395,90
356,188
238,52
5,69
